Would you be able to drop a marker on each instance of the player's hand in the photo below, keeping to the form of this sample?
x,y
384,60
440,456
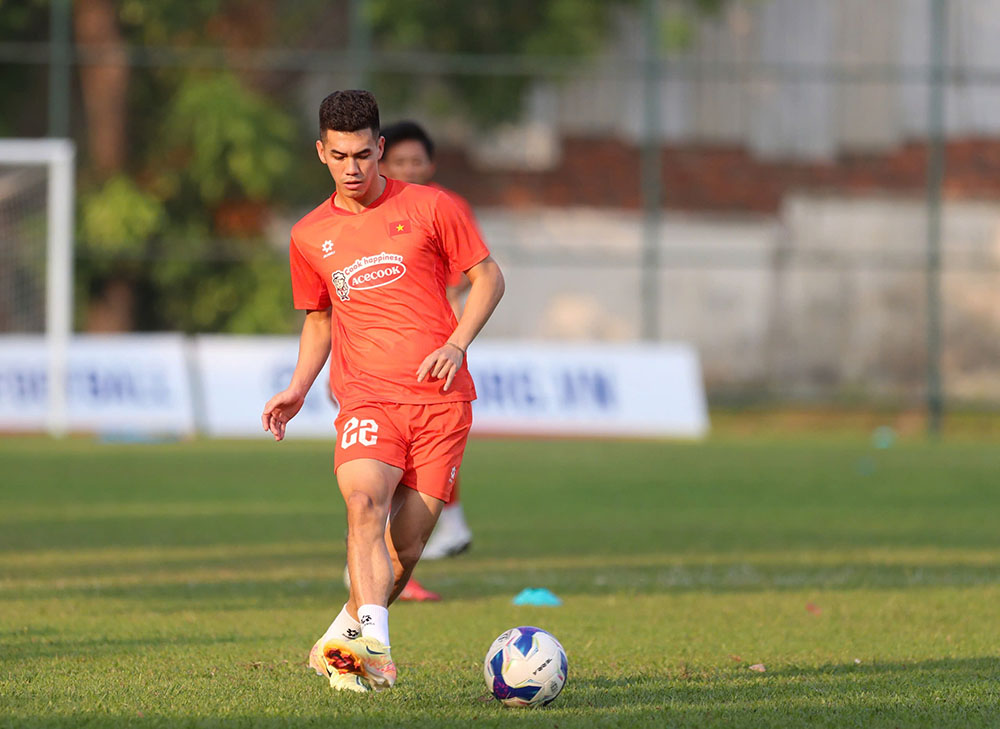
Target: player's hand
x,y
442,362
279,410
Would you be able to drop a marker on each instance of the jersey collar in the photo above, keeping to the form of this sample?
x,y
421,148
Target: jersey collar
x,y
390,189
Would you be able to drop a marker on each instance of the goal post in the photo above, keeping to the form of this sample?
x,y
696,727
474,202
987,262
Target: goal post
x,y
57,158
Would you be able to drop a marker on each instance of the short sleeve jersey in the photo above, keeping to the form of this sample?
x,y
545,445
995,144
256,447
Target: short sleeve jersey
x,y
454,278
382,271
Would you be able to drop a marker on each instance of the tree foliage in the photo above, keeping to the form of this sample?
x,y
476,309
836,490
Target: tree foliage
x,y
211,152
517,27
234,141
184,223
119,216
524,28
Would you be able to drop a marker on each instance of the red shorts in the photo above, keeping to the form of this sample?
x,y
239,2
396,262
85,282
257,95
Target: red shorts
x,y
426,441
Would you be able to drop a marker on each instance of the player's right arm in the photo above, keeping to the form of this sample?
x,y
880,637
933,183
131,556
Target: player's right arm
x,y
309,293
314,348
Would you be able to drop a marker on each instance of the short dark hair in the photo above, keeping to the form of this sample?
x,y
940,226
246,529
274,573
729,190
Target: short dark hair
x,y
349,111
406,131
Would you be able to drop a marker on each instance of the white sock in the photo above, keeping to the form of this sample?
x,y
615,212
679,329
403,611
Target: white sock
x,y
452,522
456,515
344,626
374,622
446,519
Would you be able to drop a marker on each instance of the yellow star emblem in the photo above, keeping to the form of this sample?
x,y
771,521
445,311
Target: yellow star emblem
x,y
399,228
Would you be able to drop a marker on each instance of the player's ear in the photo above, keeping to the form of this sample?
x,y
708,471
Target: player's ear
x,y
320,151
381,146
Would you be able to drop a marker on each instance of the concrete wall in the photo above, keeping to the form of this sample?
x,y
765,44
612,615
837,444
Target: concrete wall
x,y
826,299
783,79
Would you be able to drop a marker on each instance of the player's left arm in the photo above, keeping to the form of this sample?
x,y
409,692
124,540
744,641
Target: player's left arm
x,y
486,287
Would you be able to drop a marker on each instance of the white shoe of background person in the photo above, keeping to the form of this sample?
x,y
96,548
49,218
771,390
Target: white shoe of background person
x,y
451,536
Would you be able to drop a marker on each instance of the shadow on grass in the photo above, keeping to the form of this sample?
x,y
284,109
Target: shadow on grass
x,y
931,693
130,530
93,647
940,693
320,579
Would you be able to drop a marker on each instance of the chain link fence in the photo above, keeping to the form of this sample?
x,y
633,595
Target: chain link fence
x,y
766,189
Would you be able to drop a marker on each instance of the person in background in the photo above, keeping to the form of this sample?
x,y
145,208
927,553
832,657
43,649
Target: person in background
x,y
409,156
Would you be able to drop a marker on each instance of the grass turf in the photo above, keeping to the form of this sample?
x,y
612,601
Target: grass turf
x,y
181,585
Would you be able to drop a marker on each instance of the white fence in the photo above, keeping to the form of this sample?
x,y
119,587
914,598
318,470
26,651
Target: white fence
x,y
217,385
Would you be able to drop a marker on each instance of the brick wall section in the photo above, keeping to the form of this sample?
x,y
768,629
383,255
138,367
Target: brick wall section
x,y
605,173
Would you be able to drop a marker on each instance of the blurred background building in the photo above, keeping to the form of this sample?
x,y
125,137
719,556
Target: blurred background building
x,y
808,191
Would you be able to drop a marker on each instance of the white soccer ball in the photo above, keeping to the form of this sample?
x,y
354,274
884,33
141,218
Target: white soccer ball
x,y
525,666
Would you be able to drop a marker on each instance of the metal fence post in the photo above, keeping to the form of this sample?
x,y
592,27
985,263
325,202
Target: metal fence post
x,y
935,176
59,64
650,170
360,43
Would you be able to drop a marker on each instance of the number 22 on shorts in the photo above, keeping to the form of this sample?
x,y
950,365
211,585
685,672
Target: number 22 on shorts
x,y
359,431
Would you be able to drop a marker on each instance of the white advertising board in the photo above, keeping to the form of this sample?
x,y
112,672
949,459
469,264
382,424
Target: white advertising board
x,y
141,383
238,375
652,390
128,383
523,387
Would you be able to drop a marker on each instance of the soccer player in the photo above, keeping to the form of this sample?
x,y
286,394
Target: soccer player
x,y
368,267
409,156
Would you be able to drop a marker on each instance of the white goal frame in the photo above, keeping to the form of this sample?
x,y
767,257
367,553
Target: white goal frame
x,y
58,156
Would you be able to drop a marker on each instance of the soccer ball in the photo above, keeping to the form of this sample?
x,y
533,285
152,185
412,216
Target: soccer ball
x,y
525,667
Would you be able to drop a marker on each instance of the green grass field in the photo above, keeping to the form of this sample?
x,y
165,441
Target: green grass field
x,y
182,585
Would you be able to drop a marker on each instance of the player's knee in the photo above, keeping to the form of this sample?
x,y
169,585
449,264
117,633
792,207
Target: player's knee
x,y
362,509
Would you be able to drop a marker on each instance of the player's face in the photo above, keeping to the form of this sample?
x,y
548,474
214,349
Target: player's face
x,y
408,161
352,158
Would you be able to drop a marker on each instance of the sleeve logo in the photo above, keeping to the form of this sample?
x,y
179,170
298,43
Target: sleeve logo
x,y
368,272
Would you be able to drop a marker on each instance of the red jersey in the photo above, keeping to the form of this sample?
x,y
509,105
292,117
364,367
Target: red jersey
x,y
383,271
454,277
